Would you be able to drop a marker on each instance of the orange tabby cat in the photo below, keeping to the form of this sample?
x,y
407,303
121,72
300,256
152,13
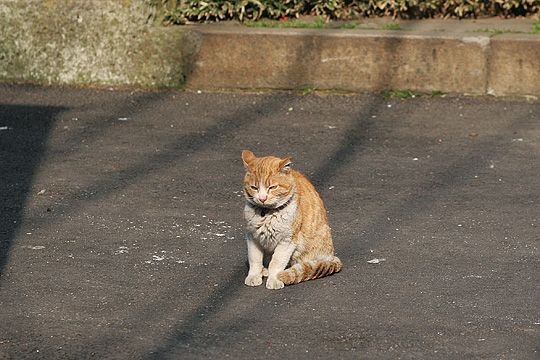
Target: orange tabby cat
x,y
287,219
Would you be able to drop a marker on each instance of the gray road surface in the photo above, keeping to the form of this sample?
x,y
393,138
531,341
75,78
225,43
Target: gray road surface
x,y
122,235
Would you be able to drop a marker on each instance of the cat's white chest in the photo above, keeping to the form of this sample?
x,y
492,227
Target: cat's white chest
x,y
271,228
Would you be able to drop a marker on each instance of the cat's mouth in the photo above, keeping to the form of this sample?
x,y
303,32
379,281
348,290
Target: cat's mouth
x,y
266,205
276,204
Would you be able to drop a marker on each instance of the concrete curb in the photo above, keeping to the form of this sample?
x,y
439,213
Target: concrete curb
x,y
350,60
514,65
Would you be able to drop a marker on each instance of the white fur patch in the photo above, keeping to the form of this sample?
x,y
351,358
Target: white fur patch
x,y
272,228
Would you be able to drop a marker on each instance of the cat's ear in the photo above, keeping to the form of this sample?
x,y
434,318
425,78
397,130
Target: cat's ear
x,y
285,165
247,157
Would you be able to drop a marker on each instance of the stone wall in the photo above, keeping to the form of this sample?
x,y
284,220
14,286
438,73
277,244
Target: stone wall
x,y
99,42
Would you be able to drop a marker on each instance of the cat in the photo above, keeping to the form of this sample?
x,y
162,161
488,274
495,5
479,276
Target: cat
x,y
286,219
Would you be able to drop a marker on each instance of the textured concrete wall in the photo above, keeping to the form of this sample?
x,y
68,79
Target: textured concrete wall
x,y
515,65
109,42
344,60
466,62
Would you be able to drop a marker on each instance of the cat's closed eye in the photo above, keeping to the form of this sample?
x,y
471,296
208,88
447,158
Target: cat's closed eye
x,y
253,187
272,187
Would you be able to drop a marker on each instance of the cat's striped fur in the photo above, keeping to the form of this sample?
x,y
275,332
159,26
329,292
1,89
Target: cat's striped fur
x,y
287,219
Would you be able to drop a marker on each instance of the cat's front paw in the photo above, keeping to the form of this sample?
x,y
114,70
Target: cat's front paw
x,y
274,284
253,280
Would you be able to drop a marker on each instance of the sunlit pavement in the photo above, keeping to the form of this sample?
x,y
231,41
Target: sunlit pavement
x,y
122,234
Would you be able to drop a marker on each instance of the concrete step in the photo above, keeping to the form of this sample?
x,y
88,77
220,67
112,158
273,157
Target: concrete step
x,y
497,57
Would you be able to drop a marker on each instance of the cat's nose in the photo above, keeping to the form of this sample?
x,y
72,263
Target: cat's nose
x,y
262,198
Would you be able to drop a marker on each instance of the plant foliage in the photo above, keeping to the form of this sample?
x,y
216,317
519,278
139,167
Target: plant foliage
x,y
216,10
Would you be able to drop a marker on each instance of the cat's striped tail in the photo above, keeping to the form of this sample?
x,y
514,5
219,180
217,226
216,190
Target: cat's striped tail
x,y
309,270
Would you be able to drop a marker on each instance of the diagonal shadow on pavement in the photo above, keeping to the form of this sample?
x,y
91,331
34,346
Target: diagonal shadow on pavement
x,y
23,140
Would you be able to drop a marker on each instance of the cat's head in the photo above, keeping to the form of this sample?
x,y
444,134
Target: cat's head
x,y
268,181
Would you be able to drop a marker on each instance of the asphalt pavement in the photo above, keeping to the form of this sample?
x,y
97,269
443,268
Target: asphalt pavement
x,y
122,234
